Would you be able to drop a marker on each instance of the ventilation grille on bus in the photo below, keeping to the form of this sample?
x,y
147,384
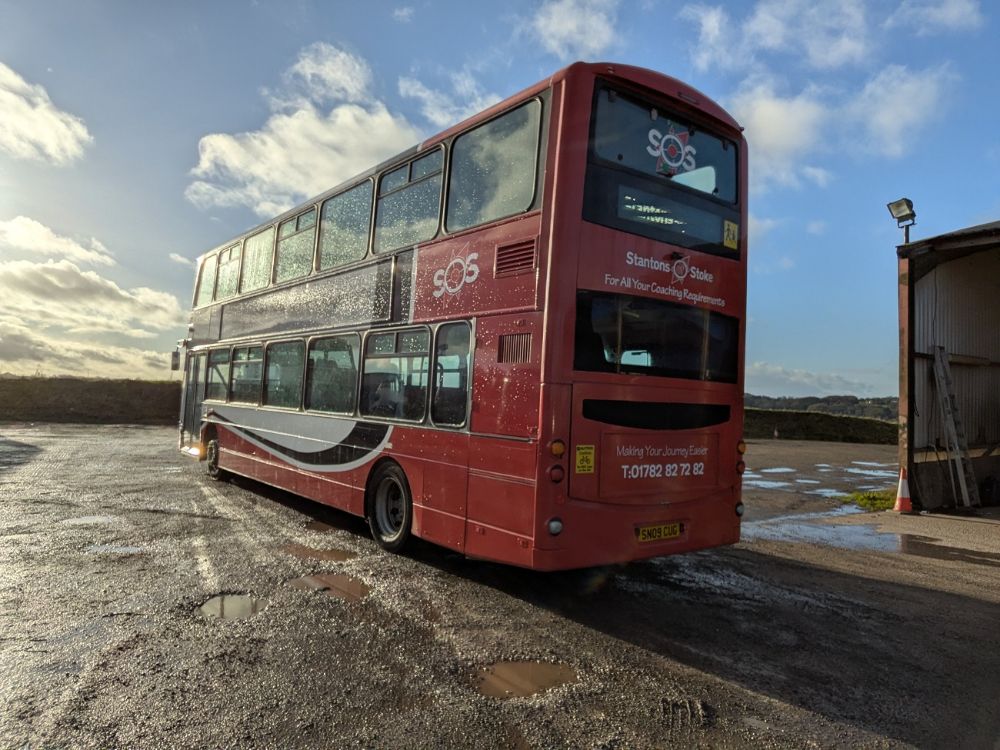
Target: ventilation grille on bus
x,y
515,259
514,348
652,416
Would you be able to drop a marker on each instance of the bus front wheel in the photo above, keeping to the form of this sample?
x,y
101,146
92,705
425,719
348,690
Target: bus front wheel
x,y
390,510
212,461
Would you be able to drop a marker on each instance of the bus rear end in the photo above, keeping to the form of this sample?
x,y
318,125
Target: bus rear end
x,y
644,380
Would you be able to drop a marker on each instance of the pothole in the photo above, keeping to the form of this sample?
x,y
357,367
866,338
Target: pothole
x,y
311,553
88,520
113,549
519,679
231,607
333,584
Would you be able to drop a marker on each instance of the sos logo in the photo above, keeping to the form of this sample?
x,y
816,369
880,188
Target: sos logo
x,y
672,151
459,272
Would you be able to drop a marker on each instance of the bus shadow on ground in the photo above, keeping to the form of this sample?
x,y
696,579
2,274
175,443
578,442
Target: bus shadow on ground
x,y
14,453
887,661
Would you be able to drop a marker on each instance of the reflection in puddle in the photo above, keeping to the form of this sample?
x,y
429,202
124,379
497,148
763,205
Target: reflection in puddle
x,y
778,470
517,679
876,473
873,463
311,553
113,549
826,492
231,607
807,481
333,584
88,520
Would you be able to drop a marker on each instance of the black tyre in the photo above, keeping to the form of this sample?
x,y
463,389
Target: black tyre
x,y
390,507
212,461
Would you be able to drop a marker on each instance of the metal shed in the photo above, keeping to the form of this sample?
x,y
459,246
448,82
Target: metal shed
x,y
949,365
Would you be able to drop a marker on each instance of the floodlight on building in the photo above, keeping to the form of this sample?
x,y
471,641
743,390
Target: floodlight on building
x,y
902,211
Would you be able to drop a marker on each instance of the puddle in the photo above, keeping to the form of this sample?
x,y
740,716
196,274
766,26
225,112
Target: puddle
x,y
778,470
876,473
766,484
88,520
231,607
333,584
113,549
826,492
311,553
518,679
872,463
807,481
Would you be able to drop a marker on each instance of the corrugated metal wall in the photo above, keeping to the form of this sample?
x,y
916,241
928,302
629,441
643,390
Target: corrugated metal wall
x,y
957,306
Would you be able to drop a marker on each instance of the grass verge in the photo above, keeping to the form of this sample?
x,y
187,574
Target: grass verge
x,y
872,500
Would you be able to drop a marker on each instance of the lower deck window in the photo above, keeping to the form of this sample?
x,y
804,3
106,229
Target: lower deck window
x,y
283,374
394,384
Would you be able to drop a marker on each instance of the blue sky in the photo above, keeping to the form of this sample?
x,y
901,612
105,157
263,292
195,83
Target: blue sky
x,y
135,136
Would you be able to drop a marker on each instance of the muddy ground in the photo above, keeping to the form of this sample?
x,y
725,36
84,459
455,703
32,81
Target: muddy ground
x,y
820,629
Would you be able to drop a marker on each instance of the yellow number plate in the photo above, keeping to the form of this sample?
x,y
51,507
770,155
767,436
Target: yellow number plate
x,y
659,532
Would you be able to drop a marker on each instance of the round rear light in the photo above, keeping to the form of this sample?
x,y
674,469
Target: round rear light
x,y
741,447
739,509
555,526
558,448
741,467
556,473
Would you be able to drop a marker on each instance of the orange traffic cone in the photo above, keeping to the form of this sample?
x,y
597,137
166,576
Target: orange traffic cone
x,y
903,504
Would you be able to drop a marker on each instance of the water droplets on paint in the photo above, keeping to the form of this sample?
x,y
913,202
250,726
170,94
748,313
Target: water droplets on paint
x,y
231,607
311,553
333,584
518,679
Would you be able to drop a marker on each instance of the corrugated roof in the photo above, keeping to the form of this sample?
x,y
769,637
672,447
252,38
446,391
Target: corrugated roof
x,y
970,236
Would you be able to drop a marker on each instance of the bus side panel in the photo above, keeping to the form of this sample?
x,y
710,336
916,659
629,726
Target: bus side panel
x,y
507,375
501,499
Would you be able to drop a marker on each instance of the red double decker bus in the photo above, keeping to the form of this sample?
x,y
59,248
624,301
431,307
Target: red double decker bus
x,y
521,339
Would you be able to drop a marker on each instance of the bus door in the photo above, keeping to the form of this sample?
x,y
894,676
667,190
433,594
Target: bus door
x,y
194,395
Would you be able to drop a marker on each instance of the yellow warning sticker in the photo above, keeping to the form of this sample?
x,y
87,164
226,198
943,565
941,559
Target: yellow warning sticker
x,y
584,459
731,235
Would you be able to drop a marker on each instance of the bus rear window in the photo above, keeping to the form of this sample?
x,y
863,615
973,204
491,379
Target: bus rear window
x,y
627,334
655,174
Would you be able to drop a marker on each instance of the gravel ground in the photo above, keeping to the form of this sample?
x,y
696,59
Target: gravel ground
x,y
818,630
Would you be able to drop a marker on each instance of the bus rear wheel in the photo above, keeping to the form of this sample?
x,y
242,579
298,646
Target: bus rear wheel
x,y
390,508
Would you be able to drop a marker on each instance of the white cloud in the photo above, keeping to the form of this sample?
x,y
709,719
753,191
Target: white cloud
x,y
759,228
816,227
324,73
767,379
302,149
780,130
817,175
403,15
27,235
58,296
826,33
25,351
176,258
32,127
928,17
443,109
576,29
896,106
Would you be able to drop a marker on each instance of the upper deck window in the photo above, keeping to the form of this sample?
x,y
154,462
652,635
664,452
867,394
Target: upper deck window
x,y
657,174
229,272
258,251
344,223
295,247
493,169
206,280
408,209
